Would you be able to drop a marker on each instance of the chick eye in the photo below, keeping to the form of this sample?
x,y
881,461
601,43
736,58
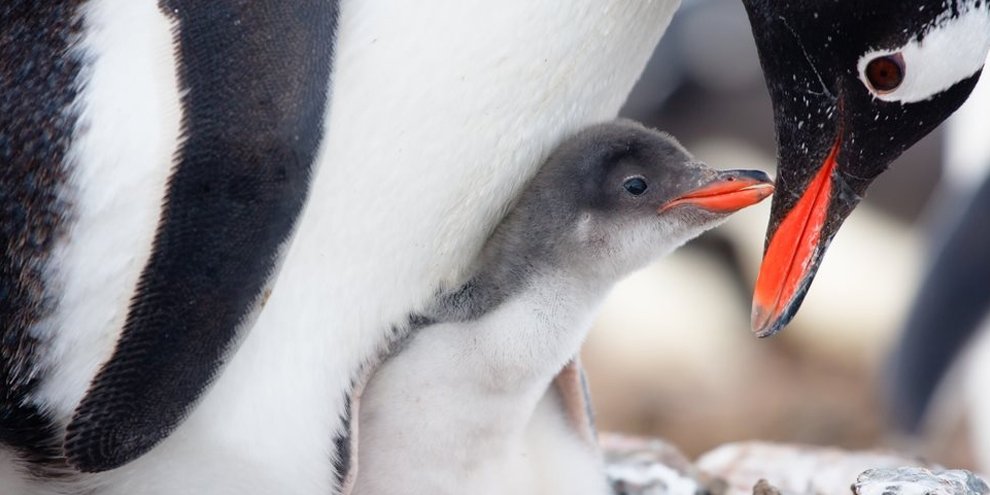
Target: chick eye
x,y
885,73
635,186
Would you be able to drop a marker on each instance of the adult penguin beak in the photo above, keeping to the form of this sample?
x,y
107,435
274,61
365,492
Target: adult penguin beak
x,y
804,217
839,124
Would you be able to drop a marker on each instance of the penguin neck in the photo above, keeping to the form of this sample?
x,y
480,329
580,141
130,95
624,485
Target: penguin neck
x,y
526,312
524,261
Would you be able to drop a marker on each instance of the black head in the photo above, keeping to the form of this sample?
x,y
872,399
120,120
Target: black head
x,y
853,84
629,193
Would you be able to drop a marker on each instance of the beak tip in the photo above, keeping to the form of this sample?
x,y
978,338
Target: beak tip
x,y
763,333
761,176
764,323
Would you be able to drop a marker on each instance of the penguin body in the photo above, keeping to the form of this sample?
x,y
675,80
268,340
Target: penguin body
x,y
118,128
184,138
133,201
451,411
410,180
394,212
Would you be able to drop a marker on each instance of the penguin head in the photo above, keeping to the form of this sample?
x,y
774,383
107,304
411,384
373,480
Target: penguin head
x,y
853,85
619,195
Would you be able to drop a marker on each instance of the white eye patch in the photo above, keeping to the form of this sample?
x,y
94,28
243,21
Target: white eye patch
x,y
955,49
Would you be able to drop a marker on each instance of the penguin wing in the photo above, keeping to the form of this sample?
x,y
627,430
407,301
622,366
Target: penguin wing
x,y
255,77
953,301
572,385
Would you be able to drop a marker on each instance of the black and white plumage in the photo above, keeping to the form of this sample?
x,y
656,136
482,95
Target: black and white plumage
x,y
410,109
466,404
156,157
431,121
35,143
853,85
254,81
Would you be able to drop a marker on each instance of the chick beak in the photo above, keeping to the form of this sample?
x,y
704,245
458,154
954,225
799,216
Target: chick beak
x,y
730,191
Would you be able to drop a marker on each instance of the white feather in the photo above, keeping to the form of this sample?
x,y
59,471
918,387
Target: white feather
x,y
457,410
953,50
967,149
451,413
438,116
120,158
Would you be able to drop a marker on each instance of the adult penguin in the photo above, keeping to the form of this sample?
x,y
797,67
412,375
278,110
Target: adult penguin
x,y
151,197
183,141
853,86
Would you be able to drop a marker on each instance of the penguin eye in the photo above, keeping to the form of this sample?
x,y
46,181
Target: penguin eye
x,y
886,73
635,185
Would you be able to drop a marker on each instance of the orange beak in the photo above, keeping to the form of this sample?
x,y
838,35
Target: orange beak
x,y
792,254
732,191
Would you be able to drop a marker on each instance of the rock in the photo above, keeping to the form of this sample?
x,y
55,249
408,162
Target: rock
x,y
793,469
918,481
763,487
638,466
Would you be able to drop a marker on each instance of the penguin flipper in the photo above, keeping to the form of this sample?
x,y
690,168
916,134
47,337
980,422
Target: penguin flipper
x,y
572,385
255,77
949,308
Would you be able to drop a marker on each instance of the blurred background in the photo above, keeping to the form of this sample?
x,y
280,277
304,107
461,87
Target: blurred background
x,y
672,354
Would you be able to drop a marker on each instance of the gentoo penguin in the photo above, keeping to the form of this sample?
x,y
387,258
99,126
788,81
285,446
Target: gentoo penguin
x,y
853,86
449,411
155,159
187,136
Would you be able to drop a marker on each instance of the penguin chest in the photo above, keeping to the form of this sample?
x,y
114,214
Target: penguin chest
x,y
439,117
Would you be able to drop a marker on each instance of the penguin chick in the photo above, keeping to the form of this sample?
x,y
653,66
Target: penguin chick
x,y
457,409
